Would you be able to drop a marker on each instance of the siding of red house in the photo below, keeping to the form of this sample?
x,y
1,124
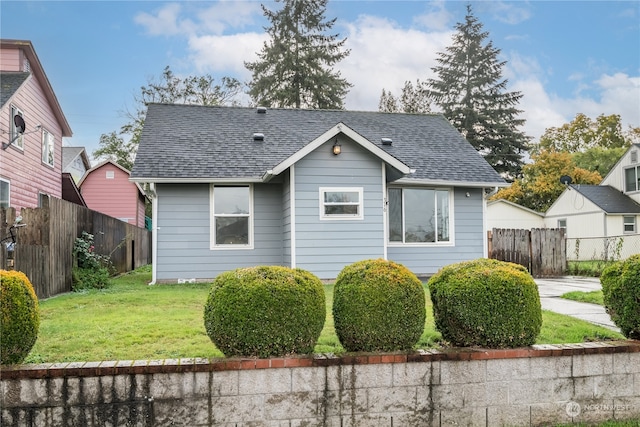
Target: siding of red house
x,y
106,188
28,176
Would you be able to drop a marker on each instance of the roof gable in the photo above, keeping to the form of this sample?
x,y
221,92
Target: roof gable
x,y
10,83
189,143
38,71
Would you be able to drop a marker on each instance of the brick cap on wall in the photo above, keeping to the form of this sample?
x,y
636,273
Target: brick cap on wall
x,y
167,366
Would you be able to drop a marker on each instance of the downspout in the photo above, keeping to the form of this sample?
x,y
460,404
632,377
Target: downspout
x,y
154,233
385,213
292,198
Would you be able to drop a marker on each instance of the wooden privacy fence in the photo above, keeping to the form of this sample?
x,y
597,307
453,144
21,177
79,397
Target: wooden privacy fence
x,y
541,250
44,249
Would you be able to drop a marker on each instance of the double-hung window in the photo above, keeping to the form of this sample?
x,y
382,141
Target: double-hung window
x,y
419,215
632,179
47,148
629,224
232,208
17,137
341,203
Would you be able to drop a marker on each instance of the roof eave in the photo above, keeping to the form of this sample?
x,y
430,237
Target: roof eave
x,y
452,183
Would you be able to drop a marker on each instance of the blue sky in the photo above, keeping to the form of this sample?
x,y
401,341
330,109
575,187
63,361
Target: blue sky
x,y
565,57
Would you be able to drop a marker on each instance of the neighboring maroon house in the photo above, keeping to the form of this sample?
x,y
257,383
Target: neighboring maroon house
x,y
30,157
106,188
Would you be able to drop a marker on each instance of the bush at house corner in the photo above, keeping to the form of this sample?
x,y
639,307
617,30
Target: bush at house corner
x,y
486,303
621,293
20,317
265,311
378,305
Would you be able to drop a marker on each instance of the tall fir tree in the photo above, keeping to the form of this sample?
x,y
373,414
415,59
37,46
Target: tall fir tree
x,y
294,67
470,91
413,99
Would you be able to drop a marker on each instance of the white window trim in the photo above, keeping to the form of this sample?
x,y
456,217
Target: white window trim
x,y
8,191
624,223
342,217
13,110
212,222
45,144
450,242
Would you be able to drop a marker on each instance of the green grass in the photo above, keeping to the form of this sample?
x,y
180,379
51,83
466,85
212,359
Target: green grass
x,y
132,320
587,268
593,297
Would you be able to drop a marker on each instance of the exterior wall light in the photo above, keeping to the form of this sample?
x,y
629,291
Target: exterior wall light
x,y
337,148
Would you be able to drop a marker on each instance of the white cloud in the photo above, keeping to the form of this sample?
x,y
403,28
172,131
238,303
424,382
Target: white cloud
x,y
511,13
225,54
383,55
438,19
165,22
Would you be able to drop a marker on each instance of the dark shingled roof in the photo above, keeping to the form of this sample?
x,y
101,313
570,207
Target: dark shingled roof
x,y
608,199
9,84
202,142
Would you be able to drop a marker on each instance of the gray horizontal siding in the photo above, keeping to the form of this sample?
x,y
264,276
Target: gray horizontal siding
x,y
183,235
324,247
469,238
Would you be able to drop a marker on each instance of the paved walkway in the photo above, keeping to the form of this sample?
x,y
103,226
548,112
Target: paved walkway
x,y
551,289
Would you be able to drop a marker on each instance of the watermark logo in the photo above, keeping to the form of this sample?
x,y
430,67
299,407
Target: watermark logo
x,y
573,409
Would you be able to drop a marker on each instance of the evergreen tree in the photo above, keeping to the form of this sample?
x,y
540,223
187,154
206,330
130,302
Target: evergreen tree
x,y
294,66
470,90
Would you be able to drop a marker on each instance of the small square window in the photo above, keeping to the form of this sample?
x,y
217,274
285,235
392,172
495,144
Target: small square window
x,y
111,175
341,203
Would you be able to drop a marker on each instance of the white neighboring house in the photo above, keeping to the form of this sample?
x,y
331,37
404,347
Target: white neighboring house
x,y
601,221
505,214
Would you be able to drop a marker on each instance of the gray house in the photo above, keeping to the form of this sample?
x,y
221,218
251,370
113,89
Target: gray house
x,y
314,189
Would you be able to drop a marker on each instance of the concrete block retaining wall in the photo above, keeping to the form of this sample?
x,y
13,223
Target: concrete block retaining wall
x,y
539,385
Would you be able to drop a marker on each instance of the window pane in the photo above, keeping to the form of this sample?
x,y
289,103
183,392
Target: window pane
x,y
629,224
232,231
443,215
630,179
231,200
341,197
419,215
341,210
395,215
4,194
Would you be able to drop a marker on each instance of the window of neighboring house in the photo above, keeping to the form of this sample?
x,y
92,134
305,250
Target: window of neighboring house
x,y
111,175
419,215
47,148
632,179
41,199
232,208
17,138
629,224
5,191
562,224
341,203
634,157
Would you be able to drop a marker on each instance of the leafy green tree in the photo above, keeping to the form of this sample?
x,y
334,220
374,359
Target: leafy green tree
x,y
596,145
540,184
197,90
294,66
413,99
471,92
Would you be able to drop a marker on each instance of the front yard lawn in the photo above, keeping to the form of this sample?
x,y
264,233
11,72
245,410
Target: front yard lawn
x,y
131,320
593,297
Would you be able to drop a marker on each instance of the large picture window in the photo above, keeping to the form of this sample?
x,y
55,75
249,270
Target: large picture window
x,y
341,203
232,222
418,215
47,148
632,179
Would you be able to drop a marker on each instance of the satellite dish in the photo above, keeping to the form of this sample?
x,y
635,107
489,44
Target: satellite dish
x,y
19,122
565,179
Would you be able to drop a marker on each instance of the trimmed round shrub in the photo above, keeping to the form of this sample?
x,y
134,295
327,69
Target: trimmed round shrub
x,y
378,305
265,311
20,317
621,293
486,303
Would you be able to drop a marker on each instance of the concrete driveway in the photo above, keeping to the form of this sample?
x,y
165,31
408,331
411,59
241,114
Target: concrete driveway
x,y
550,290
